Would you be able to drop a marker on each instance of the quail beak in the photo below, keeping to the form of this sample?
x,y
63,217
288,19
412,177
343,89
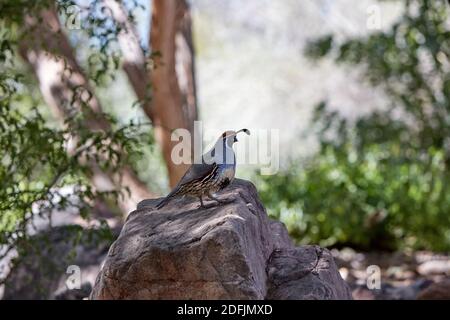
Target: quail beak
x,y
244,130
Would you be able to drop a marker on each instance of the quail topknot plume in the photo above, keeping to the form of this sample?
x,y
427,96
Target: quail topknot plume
x,y
214,173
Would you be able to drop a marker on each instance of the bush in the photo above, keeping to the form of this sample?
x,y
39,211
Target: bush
x,y
383,181
371,198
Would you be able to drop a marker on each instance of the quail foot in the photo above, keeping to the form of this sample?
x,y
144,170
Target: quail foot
x,y
215,172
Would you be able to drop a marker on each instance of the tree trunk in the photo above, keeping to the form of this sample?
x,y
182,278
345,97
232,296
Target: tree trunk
x,y
174,100
66,90
173,104
134,60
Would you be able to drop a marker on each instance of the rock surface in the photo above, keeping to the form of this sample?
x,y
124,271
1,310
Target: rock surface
x,y
307,272
403,275
436,291
231,251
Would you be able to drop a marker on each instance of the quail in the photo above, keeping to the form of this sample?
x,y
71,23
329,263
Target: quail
x,y
214,173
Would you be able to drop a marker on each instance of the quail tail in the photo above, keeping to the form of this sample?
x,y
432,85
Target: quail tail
x,y
167,199
163,202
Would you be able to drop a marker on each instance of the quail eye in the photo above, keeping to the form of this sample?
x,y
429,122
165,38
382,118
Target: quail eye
x,y
235,139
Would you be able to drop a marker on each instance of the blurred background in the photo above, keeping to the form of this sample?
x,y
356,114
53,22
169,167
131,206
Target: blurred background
x,y
358,91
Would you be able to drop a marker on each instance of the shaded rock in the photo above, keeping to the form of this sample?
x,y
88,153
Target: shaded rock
x,y
408,292
436,291
64,293
231,251
391,292
280,236
307,272
361,293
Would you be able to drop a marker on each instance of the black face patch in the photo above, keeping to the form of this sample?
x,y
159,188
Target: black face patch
x,y
224,135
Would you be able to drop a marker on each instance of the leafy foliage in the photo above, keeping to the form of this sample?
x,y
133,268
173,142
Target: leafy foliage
x,y
384,180
38,176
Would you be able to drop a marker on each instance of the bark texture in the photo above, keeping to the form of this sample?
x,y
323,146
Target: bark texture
x,y
174,103
168,90
134,61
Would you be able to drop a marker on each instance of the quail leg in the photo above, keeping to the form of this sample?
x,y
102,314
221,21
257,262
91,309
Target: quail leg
x,y
202,205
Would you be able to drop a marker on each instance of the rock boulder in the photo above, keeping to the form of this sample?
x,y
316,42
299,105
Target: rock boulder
x,y
231,251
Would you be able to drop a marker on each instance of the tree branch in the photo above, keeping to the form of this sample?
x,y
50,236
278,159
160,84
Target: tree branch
x,y
173,104
67,91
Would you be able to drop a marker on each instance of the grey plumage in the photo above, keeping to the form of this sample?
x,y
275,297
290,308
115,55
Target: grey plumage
x,y
212,175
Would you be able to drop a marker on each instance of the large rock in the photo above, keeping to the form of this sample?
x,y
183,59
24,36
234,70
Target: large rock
x,y
231,251
306,272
